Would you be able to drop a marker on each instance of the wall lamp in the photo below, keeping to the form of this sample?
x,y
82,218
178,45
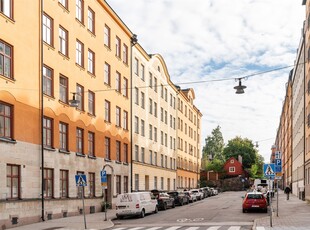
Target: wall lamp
x,y
74,102
239,88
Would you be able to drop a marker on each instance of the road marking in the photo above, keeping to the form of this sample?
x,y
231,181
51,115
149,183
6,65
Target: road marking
x,y
154,228
260,228
174,228
118,228
192,228
234,228
137,228
214,228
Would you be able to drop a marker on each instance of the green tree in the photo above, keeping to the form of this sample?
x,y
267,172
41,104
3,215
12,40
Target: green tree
x,y
214,146
215,165
243,147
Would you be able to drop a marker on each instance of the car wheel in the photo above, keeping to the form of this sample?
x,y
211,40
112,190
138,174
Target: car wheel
x,y
142,214
120,217
156,209
243,210
173,205
265,210
165,206
181,203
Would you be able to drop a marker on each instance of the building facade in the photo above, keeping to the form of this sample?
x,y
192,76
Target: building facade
x,y
153,122
78,47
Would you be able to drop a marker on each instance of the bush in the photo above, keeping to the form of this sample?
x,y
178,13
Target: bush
x,y
105,205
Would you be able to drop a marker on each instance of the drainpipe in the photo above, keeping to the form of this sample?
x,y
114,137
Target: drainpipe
x,y
42,114
304,180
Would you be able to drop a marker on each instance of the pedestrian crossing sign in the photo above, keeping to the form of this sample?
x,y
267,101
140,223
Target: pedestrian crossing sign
x,y
80,180
269,170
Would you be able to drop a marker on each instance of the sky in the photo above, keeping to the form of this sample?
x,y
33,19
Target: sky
x,y
215,42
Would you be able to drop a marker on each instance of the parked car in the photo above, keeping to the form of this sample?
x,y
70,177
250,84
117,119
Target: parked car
x,y
254,201
215,192
207,191
179,198
135,204
198,193
165,201
192,197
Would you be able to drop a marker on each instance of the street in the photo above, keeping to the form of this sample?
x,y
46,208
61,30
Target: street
x,y
216,211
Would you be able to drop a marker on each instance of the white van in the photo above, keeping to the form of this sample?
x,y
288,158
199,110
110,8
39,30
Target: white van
x,y
135,204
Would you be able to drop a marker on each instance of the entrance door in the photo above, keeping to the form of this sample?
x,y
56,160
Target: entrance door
x,y
147,184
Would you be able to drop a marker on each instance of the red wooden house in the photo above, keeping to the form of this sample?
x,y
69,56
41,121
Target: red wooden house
x,y
233,167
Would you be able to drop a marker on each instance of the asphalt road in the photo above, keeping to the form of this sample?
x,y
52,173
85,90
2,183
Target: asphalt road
x,y
225,209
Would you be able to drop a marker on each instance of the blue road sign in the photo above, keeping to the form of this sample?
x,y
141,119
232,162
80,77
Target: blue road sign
x,y
104,181
278,165
269,170
80,180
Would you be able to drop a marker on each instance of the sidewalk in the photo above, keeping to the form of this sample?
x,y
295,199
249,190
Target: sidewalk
x,y
292,214
94,221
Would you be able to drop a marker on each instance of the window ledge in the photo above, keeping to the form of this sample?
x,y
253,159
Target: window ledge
x,y
91,115
107,122
118,162
8,140
65,56
91,74
64,151
107,160
125,163
49,148
92,157
64,103
80,154
49,46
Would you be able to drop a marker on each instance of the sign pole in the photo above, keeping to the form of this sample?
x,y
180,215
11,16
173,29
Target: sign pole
x,y
84,208
105,205
270,202
277,198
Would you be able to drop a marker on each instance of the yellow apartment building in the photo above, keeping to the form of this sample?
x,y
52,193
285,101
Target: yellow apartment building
x,y
51,53
188,140
153,123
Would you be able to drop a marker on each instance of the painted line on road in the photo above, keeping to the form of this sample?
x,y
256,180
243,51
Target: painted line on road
x,y
192,228
174,228
260,228
137,228
214,228
154,228
234,228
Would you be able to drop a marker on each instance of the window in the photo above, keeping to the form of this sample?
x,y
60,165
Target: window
x,y
91,20
125,184
79,141
48,183
155,84
136,95
107,74
79,7
166,95
91,184
80,96
6,7
166,117
150,132
79,51
91,102
155,109
231,169
63,41
125,120
64,3
118,47
47,29
13,181
166,140
63,136
137,182
162,114
6,61
161,91
125,159
125,87
107,33
142,128
47,132
151,157
91,62
162,160
155,134
63,183
136,124
136,153
118,116
91,144
118,151
118,82
155,158
118,184
142,100
162,183
63,89
142,155
162,137
107,114
151,80
155,182
107,148
48,81
136,67
142,72
6,120
150,106
125,54
166,162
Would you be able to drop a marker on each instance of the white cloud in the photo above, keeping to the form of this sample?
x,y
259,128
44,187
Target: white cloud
x,y
215,39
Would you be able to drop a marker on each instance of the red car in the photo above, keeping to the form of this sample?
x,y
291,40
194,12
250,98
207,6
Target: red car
x,y
254,201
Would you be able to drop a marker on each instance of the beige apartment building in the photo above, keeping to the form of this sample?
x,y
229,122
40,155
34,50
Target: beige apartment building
x,y
49,55
188,140
154,123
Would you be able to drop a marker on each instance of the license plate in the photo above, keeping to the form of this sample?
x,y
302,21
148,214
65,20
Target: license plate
x,y
255,206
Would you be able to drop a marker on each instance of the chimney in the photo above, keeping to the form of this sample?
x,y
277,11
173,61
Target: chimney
x,y
240,158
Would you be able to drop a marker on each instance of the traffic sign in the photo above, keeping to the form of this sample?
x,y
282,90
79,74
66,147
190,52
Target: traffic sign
x,y
269,170
278,165
104,182
278,155
80,180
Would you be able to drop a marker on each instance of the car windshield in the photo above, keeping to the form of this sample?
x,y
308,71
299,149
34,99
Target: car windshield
x,y
254,196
